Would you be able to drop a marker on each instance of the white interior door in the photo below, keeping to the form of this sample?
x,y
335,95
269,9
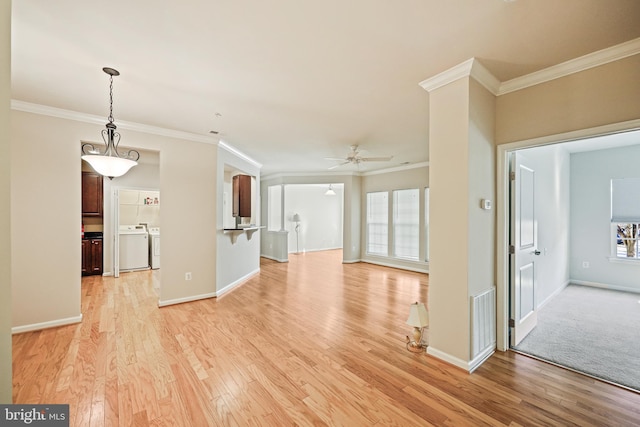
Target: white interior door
x,y
524,249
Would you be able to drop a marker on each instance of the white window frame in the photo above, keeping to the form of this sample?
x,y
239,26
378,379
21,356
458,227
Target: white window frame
x,y
369,224
415,222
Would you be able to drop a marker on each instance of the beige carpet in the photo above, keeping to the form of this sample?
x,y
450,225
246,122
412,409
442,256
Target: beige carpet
x,y
591,330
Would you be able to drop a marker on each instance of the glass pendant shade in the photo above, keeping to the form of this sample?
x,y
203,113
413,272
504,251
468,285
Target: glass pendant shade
x,y
109,166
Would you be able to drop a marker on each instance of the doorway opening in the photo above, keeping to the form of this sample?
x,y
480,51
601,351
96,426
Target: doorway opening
x,y
570,243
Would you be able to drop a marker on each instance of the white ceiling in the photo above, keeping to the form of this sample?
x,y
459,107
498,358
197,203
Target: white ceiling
x,y
293,81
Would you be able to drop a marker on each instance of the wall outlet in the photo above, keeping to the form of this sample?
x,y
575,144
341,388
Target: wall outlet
x,y
187,276
585,264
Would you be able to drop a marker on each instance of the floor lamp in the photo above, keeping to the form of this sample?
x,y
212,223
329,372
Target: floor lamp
x,y
296,219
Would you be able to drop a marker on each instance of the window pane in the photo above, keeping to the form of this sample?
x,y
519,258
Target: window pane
x,y
274,210
627,240
406,223
378,223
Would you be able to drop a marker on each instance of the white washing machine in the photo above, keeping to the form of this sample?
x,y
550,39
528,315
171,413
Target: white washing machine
x,y
154,247
134,247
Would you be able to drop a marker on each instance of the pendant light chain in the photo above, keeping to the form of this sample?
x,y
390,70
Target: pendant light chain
x,y
110,99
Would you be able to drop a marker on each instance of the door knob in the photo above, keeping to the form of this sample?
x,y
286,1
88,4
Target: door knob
x,y
536,252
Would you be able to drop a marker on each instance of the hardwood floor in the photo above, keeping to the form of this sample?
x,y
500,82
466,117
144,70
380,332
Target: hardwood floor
x,y
309,342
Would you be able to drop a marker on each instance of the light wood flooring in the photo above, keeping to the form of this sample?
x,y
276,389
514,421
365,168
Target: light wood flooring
x,y
309,342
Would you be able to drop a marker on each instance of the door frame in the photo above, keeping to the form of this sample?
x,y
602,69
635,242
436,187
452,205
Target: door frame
x,y
503,215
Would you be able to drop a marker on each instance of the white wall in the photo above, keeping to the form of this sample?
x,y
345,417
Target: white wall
x,y
552,200
321,217
591,174
238,253
5,200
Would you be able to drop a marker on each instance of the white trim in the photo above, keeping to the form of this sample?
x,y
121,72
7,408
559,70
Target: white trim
x,y
232,285
89,118
351,261
481,358
272,176
396,169
448,358
474,68
274,258
469,68
591,60
185,299
417,269
47,325
231,149
502,211
553,294
620,260
605,286
467,366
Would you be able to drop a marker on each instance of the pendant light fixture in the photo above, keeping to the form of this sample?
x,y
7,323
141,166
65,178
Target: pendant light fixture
x,y
330,191
110,163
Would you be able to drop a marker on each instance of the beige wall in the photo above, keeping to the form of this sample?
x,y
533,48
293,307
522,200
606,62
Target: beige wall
x,y
461,175
595,97
46,207
448,217
5,201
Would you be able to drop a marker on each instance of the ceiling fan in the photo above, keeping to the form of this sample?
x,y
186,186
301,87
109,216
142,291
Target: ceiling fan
x,y
355,158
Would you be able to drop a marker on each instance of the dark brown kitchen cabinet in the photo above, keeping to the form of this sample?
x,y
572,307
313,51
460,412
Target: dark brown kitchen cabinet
x,y
242,196
91,257
91,194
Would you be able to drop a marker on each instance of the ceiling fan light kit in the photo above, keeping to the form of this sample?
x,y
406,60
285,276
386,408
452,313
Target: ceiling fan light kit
x,y
355,158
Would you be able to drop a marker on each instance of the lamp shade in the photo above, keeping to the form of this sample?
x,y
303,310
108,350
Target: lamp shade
x,y
110,166
418,315
296,218
330,191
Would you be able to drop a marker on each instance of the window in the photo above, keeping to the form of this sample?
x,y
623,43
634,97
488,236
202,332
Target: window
x,y
406,223
627,240
378,223
625,218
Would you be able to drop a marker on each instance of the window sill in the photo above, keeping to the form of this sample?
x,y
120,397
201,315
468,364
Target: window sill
x,y
618,260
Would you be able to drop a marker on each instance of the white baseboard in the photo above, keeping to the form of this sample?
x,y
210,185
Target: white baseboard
x,y
46,325
351,261
556,292
605,286
274,258
467,366
236,283
399,266
185,299
481,358
448,358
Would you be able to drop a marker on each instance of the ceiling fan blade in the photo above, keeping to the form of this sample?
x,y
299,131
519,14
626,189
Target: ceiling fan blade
x,y
337,159
338,165
376,159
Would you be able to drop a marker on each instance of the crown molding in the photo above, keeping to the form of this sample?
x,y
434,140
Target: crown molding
x,y
474,68
231,149
396,169
469,68
45,110
582,63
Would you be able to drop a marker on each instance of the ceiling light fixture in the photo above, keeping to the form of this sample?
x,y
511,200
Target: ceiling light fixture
x,y
330,192
110,163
